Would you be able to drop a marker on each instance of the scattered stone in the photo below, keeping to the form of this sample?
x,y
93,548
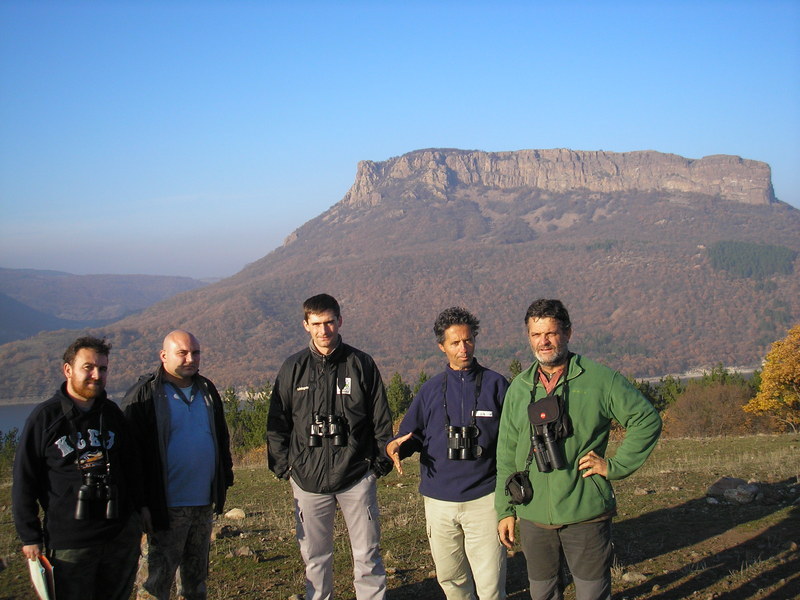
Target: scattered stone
x,y
224,531
724,483
633,577
236,514
792,546
743,494
656,587
710,500
643,492
243,551
674,488
391,571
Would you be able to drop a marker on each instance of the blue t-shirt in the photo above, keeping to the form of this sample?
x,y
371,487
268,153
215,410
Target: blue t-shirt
x,y
190,450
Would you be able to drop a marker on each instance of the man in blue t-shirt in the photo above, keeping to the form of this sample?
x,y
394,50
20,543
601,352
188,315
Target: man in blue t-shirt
x,y
453,422
178,418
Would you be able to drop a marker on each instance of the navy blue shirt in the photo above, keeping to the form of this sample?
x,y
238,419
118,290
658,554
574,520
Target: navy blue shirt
x,y
443,478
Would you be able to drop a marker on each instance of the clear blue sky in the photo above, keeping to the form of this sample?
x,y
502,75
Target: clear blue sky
x,y
190,138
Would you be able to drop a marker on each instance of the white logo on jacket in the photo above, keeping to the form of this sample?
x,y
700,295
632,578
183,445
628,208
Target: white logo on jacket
x,y
64,447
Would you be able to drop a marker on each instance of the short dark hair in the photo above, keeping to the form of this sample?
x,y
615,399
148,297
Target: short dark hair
x,y
455,315
100,346
553,309
319,304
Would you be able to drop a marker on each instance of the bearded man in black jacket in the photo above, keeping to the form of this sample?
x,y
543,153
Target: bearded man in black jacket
x,y
76,460
328,423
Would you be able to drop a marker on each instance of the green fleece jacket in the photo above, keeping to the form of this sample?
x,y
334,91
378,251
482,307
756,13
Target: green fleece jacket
x,y
595,396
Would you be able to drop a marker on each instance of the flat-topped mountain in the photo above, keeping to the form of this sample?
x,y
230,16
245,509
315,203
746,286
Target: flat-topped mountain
x,y
665,263
441,172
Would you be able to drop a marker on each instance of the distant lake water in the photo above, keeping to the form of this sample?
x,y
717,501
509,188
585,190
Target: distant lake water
x,y
14,415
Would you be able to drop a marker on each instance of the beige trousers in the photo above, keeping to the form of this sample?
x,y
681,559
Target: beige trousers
x,y
470,560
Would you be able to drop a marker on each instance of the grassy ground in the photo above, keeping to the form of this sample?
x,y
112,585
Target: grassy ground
x,y
669,541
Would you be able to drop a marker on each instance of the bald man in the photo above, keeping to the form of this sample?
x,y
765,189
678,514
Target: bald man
x,y
176,415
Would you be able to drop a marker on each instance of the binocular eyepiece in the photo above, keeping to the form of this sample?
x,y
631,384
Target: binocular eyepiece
x,y
327,426
462,442
95,487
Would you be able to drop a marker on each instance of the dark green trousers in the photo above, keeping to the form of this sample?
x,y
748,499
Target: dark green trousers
x,y
104,571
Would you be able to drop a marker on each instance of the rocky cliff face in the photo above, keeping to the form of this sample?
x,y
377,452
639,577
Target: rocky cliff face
x,y
440,172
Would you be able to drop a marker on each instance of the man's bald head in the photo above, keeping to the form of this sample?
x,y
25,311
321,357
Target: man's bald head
x,y
180,357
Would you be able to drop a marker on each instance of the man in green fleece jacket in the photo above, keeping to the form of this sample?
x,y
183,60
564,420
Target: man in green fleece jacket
x,y
573,502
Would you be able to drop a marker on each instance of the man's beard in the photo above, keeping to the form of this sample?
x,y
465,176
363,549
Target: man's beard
x,y
558,359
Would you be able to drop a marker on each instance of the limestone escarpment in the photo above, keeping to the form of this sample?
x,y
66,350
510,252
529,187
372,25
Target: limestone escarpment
x,y
439,172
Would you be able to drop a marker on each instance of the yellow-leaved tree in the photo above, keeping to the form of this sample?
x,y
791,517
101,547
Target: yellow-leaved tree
x,y
779,395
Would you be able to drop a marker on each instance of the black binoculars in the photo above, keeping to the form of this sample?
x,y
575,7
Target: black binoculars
x,y
545,416
327,426
462,442
95,488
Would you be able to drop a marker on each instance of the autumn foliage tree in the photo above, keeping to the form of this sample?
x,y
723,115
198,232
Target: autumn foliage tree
x,y
779,395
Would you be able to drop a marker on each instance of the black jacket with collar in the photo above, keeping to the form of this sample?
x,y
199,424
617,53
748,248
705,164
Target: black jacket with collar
x,y
308,383
145,406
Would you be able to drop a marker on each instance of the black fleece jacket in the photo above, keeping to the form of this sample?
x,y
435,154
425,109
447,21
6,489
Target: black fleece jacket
x,y
56,437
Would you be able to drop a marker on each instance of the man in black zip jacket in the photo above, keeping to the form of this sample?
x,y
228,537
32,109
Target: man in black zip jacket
x,y
178,419
76,459
328,423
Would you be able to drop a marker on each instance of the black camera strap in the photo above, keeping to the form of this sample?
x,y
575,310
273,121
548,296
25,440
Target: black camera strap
x,y
478,382
529,460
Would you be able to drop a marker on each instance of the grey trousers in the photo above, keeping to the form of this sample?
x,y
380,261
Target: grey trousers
x,y
587,548
314,517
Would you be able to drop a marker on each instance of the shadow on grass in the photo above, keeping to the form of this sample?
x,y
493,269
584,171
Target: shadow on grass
x,y
677,528
428,589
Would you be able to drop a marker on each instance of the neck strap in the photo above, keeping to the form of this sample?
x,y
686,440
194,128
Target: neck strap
x,y
478,382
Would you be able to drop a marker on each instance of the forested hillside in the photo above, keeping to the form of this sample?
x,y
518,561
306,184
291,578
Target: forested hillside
x,y
660,278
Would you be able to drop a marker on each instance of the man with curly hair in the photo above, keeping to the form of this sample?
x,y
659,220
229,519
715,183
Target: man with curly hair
x,y
453,422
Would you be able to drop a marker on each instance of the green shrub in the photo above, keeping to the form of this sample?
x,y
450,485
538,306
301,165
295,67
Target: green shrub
x,y
8,447
247,417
